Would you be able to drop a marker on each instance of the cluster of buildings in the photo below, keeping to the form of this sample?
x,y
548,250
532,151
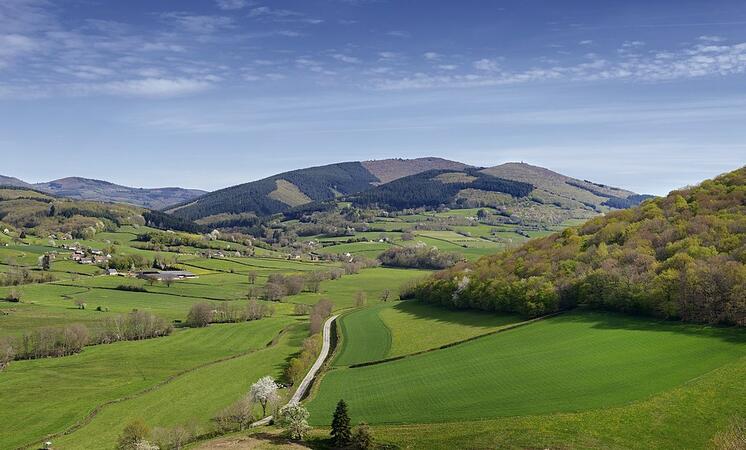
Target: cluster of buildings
x,y
87,256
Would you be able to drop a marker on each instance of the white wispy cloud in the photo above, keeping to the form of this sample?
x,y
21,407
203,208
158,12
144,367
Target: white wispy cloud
x,y
705,38
431,55
697,61
345,58
232,4
14,45
200,24
282,15
398,33
149,87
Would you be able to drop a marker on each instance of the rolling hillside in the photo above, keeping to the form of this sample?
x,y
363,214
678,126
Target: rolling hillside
x,y
97,190
284,191
526,193
89,189
677,257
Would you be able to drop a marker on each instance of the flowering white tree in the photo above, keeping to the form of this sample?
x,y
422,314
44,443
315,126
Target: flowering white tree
x,y
264,391
294,418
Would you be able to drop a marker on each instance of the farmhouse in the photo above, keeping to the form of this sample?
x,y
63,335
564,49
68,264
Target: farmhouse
x,y
161,275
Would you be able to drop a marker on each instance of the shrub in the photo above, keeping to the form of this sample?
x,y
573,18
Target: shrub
x,y
235,417
200,315
294,419
362,437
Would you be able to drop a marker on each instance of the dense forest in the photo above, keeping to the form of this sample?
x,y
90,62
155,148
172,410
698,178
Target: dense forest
x,y
678,257
318,183
435,188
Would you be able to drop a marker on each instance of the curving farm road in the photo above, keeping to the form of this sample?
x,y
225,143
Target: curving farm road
x,y
308,379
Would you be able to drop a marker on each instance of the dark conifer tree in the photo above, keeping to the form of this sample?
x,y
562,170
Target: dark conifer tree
x,y
341,433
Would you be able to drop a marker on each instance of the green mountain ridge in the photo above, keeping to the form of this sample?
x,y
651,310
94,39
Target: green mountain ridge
x,y
284,191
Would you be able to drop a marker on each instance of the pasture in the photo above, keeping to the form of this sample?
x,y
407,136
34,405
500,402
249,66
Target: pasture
x,y
569,363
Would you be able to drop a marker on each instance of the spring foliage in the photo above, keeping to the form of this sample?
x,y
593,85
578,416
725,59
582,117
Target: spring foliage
x,y
680,257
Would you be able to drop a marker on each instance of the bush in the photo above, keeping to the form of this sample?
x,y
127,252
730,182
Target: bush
x,y
418,257
134,433
362,437
130,288
134,326
235,417
200,315
294,419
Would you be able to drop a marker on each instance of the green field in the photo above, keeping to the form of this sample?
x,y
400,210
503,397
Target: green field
x,y
399,328
569,363
685,417
49,395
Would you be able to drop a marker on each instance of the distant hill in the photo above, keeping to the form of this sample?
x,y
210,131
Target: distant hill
x,y
552,187
285,191
41,214
528,193
682,256
97,190
11,181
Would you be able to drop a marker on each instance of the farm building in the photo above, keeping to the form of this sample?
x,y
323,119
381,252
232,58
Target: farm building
x,y
161,275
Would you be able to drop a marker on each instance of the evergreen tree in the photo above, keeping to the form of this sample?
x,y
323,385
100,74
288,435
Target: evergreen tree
x,y
341,434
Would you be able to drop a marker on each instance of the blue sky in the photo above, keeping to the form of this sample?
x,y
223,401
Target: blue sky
x,y
648,96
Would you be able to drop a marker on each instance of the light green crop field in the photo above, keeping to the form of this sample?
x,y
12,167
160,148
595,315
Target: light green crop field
x,y
193,398
364,337
569,363
417,326
687,416
49,395
400,328
372,281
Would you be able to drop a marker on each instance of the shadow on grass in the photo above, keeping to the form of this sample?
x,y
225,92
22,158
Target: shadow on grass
x,y
609,320
472,318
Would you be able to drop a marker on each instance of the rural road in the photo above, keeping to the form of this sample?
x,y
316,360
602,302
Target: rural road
x,y
306,383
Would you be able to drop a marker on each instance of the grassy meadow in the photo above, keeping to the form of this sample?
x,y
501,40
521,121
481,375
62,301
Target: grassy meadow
x,y
570,363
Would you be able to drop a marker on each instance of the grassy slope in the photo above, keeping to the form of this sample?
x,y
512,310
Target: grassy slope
x,y
48,395
212,388
399,328
371,281
416,326
364,337
685,417
564,364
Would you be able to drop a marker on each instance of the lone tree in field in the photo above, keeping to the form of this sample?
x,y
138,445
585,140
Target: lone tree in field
x,y
264,391
133,435
294,419
341,434
252,277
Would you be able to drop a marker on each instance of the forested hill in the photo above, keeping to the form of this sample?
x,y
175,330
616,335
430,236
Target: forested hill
x,y
436,187
679,257
523,192
284,191
37,213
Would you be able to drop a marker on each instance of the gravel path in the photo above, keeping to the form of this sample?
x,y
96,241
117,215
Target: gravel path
x,y
308,379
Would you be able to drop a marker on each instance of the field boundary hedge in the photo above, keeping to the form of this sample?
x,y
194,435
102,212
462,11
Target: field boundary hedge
x,y
455,343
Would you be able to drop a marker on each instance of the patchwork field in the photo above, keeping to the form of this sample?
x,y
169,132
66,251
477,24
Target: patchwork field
x,y
569,363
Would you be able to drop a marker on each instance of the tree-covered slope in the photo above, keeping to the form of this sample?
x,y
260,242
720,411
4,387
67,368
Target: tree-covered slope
x,y
33,212
285,191
681,257
436,187
555,188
